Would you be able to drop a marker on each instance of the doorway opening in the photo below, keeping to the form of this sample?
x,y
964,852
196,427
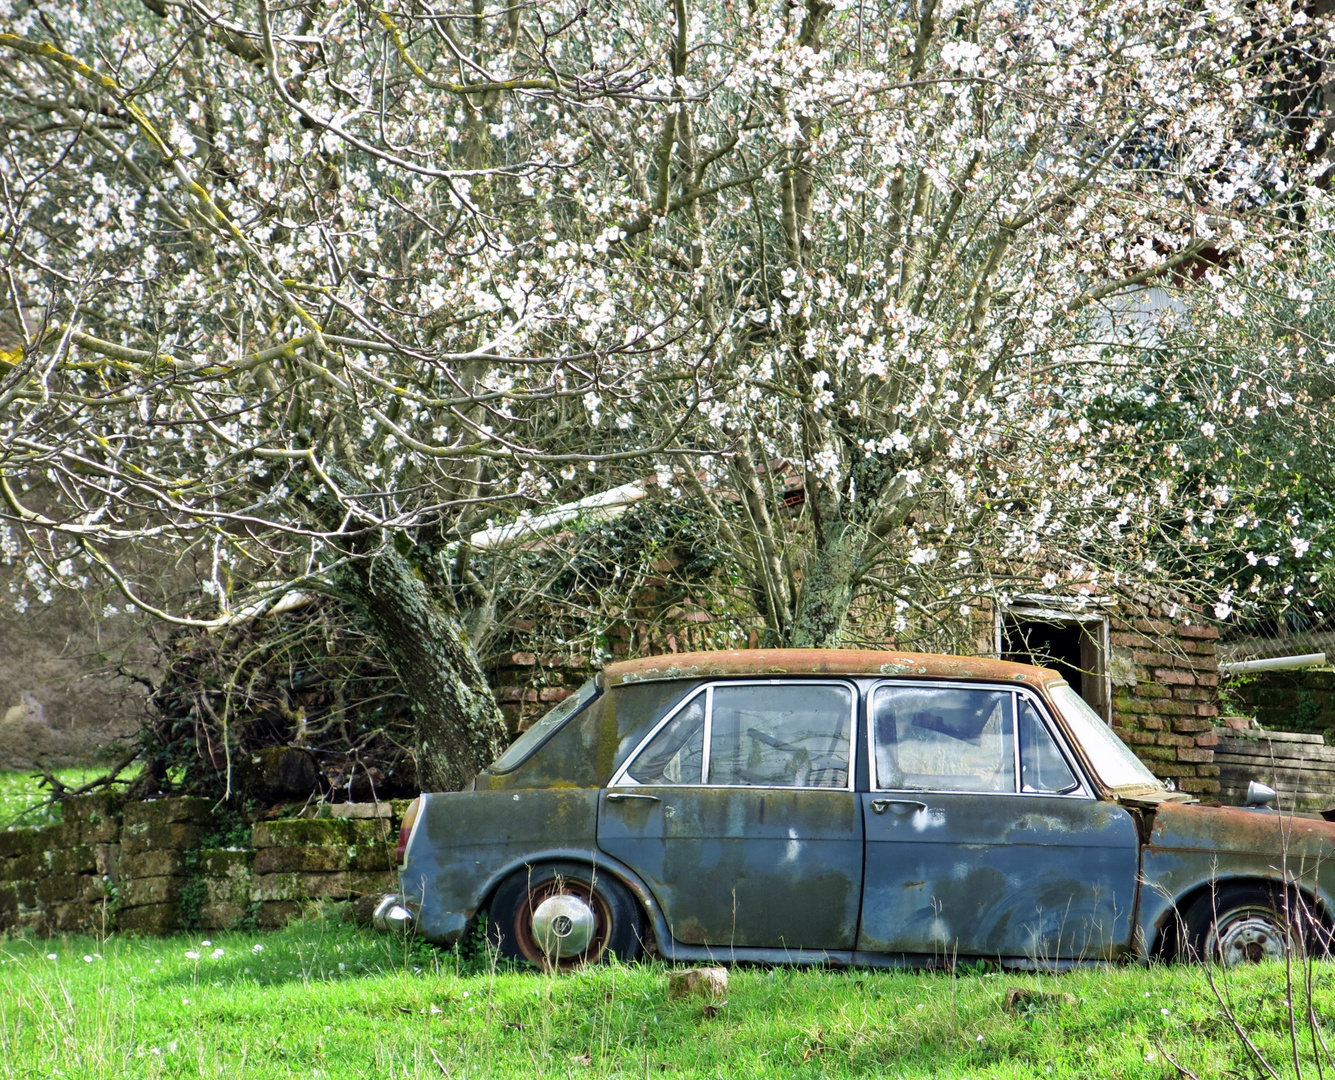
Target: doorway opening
x,y
1074,644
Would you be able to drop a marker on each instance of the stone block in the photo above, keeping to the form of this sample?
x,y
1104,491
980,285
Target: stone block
x,y
25,867
221,916
138,838
1198,785
359,810
153,864
17,842
298,887
27,891
152,919
375,831
222,862
1156,754
372,883
231,889
102,831
56,836
79,918
108,860
90,808
179,810
151,891
301,832
9,898
376,856
74,860
1167,738
63,888
288,860
1199,754
271,914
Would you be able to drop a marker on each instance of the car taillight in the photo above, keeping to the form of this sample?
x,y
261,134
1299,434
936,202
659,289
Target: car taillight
x,y
406,831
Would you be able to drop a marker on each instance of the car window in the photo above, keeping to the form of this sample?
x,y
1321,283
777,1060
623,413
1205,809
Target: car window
x,y
781,735
676,754
1042,767
545,728
943,738
1112,759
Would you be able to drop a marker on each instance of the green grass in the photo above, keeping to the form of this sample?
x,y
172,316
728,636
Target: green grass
x,y
325,1000
21,792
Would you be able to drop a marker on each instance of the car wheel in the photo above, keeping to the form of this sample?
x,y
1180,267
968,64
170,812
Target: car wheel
x,y
1245,924
564,916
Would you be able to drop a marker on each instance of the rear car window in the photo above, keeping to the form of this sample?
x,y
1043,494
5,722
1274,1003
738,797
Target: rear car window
x,y
544,729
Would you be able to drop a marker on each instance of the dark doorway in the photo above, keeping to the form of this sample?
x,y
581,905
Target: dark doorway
x,y
1072,646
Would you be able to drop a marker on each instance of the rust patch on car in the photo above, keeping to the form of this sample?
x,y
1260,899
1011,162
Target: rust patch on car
x,y
754,662
1195,827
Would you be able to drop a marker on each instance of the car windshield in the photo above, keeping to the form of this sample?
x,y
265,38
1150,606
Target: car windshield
x,y
1111,758
544,728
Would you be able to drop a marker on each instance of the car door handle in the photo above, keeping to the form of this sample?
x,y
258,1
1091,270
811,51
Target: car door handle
x,y
880,806
622,796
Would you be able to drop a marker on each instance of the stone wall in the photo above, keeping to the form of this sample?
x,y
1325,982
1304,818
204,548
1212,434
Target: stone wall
x,y
1165,677
165,865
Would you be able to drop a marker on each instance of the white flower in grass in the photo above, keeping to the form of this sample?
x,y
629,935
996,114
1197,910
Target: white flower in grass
x,y
257,948
192,956
217,954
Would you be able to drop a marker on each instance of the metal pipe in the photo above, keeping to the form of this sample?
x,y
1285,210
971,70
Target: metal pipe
x,y
1274,663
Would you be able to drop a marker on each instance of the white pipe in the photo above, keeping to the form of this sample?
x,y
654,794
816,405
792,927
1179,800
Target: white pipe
x,y
603,506
1274,663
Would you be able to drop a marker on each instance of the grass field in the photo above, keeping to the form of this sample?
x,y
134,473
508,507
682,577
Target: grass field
x,y
321,999
22,792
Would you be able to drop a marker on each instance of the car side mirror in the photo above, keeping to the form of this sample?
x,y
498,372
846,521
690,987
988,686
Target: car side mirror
x,y
1260,794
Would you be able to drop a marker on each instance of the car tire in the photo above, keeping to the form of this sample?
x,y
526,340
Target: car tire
x,y
617,925
1243,923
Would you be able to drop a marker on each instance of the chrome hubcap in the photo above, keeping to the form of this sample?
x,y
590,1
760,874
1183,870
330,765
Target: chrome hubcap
x,y
1248,940
563,926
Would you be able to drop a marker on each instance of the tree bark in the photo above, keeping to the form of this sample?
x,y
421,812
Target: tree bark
x,y
459,726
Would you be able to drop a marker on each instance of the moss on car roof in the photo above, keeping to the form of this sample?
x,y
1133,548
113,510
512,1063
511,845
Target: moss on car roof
x,y
699,665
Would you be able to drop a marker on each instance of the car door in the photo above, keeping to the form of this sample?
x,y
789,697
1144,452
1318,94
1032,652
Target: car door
x,y
982,839
738,812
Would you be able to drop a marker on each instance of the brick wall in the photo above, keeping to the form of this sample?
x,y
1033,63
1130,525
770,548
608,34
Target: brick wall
x,y
1290,700
1165,686
159,866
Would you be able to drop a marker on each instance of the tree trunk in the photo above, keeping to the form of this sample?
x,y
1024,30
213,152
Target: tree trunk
x,y
827,588
459,727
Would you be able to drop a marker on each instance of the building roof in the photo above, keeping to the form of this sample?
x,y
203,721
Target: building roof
x,y
700,665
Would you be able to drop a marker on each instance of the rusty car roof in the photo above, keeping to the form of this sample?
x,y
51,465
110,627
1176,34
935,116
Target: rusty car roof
x,y
698,665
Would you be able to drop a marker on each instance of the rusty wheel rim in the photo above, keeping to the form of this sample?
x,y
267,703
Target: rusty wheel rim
x,y
1249,937
528,945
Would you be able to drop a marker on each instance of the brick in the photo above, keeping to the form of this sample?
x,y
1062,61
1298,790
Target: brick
x,y
1150,692
554,693
1179,678
1207,710
272,914
1206,679
73,860
1137,738
1155,754
1152,659
90,808
1198,754
1167,738
1199,785
222,916
1198,630
153,864
17,842
1152,723
1192,693
288,860
301,832
1175,708
142,892
153,919
1125,639
139,838
1189,725
181,810
296,887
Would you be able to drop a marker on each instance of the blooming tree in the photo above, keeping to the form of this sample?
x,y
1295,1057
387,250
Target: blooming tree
x,y
311,293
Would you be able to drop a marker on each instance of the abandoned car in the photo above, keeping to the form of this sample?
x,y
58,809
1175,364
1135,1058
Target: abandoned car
x,y
849,807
